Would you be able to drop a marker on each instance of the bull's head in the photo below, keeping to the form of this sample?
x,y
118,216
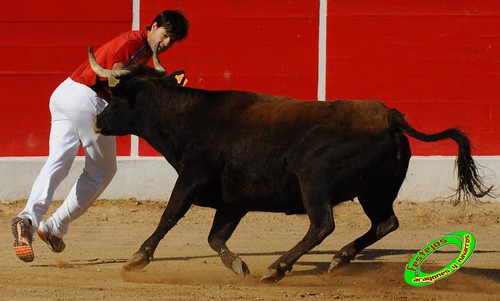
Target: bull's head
x,y
127,111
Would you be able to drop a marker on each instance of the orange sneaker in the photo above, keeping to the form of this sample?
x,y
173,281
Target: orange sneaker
x,y
55,243
23,237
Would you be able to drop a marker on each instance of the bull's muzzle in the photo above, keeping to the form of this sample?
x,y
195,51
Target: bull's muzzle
x,y
96,129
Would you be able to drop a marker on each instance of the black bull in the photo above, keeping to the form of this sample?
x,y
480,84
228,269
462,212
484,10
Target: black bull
x,y
238,151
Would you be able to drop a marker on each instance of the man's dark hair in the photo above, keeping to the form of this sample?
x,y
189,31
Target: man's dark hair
x,y
174,22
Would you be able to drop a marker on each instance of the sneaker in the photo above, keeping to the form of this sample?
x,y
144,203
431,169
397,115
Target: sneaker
x,y
23,237
55,243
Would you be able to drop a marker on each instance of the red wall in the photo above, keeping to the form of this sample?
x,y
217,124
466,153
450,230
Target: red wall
x,y
41,45
437,61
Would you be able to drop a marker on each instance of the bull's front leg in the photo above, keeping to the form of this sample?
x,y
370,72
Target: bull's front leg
x,y
185,191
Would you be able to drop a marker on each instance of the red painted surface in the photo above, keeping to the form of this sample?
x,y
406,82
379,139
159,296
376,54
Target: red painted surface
x,y
437,61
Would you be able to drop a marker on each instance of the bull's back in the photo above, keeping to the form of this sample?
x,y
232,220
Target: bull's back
x,y
272,127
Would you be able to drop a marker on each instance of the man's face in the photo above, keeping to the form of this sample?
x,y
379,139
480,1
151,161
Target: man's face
x,y
159,35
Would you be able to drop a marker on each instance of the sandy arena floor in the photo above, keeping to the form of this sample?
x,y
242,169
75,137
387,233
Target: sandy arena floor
x,y
185,268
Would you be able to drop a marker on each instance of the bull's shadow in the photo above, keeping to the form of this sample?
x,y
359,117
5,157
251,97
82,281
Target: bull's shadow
x,y
368,259
372,259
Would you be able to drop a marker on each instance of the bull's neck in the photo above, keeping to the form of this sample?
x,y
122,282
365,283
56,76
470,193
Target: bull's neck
x,y
170,122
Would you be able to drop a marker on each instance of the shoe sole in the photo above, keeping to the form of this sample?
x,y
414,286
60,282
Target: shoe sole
x,y
48,242
22,248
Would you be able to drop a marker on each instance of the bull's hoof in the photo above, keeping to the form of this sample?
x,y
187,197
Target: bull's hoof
x,y
138,261
335,264
240,267
338,262
272,276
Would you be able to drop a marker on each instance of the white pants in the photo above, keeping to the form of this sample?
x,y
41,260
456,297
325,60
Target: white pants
x,y
72,107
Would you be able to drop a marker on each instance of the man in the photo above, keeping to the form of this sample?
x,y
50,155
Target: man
x,y
73,105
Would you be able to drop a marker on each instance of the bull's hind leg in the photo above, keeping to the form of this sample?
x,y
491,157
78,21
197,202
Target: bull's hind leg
x,y
321,225
319,210
383,222
224,224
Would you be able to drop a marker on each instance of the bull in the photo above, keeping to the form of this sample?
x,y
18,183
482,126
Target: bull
x,y
238,151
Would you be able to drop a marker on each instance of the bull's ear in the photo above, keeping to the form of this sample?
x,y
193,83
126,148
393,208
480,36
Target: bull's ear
x,y
181,79
178,78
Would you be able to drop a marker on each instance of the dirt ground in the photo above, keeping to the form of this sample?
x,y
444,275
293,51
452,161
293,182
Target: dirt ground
x,y
185,268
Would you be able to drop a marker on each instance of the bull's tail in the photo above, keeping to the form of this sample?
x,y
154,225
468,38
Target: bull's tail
x,y
470,184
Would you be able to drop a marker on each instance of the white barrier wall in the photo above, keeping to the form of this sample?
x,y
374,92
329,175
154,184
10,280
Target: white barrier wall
x,y
152,178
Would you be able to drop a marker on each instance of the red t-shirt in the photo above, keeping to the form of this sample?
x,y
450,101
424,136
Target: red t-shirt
x,y
128,48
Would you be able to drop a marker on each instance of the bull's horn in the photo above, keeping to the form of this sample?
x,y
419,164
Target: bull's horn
x,y
100,70
156,60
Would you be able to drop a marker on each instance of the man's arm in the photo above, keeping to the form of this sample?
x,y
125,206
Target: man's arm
x,y
118,66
